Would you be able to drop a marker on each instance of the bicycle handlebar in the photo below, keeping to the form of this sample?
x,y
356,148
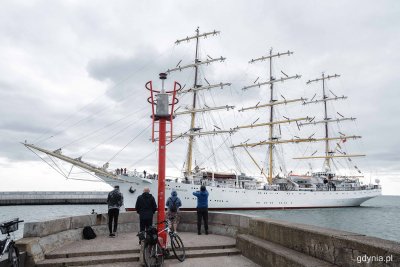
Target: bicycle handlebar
x,y
7,224
157,223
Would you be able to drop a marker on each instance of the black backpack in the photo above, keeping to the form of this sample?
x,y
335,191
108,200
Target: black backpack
x,y
88,233
174,208
152,236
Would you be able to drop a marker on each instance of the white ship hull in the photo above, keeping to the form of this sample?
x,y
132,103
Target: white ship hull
x,y
221,198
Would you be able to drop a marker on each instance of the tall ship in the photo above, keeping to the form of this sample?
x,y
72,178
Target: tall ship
x,y
234,190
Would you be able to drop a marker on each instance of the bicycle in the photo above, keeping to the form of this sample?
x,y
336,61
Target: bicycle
x,y
154,252
8,244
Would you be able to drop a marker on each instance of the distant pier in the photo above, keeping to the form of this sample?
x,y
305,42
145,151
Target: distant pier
x,y
52,198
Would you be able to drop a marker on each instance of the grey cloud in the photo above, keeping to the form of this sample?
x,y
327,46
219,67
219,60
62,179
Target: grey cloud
x,y
118,48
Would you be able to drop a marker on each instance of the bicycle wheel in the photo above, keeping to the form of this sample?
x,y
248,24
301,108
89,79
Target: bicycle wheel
x,y
148,254
153,255
13,255
177,247
160,255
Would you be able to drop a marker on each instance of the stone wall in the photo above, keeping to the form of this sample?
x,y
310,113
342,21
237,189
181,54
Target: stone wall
x,y
47,198
221,223
42,237
337,247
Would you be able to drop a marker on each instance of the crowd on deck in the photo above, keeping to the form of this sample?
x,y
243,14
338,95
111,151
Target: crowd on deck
x,y
123,171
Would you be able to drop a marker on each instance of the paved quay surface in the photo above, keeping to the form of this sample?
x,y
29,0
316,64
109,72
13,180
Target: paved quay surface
x,y
222,261
204,250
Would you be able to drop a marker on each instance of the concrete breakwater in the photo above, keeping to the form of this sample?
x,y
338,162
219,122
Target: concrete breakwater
x,y
266,242
54,197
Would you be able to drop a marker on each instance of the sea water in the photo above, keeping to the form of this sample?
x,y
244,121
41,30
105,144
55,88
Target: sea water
x,y
377,217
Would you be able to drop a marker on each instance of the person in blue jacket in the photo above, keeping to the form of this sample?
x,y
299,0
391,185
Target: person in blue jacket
x,y
202,208
173,204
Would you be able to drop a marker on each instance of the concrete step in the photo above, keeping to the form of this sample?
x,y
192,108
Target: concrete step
x,y
203,253
89,260
91,253
129,257
211,247
266,253
221,261
56,255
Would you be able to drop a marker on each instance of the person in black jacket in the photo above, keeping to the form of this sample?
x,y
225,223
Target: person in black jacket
x,y
115,200
146,207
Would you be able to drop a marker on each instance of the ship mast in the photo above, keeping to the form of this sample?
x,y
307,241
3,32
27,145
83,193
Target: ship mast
x,y
327,160
326,118
329,153
193,114
272,139
193,130
271,119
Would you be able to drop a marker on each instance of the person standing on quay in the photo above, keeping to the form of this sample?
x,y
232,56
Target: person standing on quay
x,y
173,204
202,208
146,206
115,200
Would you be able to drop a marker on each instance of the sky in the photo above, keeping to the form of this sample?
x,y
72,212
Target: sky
x,y
73,75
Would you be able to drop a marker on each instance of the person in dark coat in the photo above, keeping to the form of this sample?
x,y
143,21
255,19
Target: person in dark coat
x,y
146,207
202,208
115,200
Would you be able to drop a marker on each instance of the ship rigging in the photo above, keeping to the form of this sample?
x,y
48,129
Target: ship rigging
x,y
232,190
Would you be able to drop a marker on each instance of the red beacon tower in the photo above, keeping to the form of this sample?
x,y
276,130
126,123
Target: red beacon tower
x,y
162,114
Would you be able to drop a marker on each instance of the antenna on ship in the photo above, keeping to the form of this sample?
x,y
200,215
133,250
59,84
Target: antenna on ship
x,y
194,109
